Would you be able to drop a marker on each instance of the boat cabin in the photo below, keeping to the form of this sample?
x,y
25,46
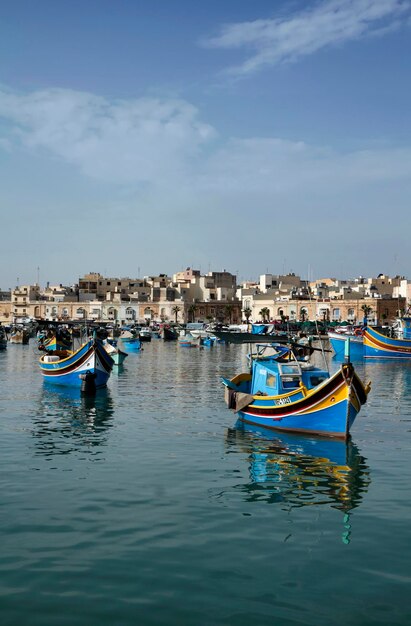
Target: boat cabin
x,y
272,377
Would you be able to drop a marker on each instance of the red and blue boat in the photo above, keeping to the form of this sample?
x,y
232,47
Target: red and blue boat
x,y
56,342
90,362
285,394
377,345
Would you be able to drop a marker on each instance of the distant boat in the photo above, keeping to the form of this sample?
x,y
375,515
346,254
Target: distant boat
x,y
233,336
145,334
338,342
208,342
89,365
58,340
128,337
188,341
285,394
377,345
169,333
19,334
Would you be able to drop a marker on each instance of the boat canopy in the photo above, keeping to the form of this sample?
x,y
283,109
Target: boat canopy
x,y
271,377
258,329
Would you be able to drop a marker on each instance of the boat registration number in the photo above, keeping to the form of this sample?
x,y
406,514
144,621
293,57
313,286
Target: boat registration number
x,y
283,401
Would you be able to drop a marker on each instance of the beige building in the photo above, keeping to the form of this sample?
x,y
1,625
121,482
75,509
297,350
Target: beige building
x,y
337,310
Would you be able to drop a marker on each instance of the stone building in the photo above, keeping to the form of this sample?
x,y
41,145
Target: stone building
x,y
328,309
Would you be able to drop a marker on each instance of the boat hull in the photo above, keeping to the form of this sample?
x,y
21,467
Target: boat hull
x,y
328,410
91,358
338,342
132,345
169,334
377,345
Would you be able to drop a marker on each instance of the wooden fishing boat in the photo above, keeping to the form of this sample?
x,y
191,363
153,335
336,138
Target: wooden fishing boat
x,y
186,340
131,339
90,363
145,334
169,333
208,342
19,334
55,341
339,339
285,394
377,345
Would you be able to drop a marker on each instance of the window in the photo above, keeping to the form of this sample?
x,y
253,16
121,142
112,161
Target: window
x,y
271,380
291,382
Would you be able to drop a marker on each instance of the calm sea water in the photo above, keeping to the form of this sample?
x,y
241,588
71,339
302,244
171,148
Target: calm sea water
x,y
146,505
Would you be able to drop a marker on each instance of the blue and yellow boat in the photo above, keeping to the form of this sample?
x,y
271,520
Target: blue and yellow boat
x,y
90,362
377,345
56,343
285,394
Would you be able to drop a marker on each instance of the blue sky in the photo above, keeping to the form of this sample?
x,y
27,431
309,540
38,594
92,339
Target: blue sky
x,y
154,135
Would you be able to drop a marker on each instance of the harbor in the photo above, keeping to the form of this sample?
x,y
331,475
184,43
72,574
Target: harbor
x,y
147,497
205,313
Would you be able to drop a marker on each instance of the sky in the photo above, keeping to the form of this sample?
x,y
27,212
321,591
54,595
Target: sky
x,y
140,137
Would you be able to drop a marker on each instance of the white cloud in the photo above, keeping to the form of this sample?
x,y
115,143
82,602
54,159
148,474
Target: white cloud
x,y
120,141
163,147
284,39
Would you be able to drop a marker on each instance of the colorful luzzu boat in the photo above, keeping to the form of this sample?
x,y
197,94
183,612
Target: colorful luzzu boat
x,y
90,362
338,341
378,345
55,343
285,394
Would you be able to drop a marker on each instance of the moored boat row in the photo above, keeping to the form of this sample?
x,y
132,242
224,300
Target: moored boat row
x,y
369,342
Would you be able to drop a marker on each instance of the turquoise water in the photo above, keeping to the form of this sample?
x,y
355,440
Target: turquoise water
x,y
146,505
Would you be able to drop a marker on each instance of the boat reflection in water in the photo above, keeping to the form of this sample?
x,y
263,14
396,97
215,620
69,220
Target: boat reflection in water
x,y
68,421
301,470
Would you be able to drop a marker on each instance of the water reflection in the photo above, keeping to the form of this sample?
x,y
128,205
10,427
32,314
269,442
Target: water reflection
x,y
67,421
301,471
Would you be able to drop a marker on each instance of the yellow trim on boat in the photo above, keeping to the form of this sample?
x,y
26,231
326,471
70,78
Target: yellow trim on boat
x,y
65,359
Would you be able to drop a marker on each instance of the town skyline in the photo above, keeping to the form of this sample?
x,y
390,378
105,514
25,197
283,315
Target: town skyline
x,y
189,296
242,135
44,283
